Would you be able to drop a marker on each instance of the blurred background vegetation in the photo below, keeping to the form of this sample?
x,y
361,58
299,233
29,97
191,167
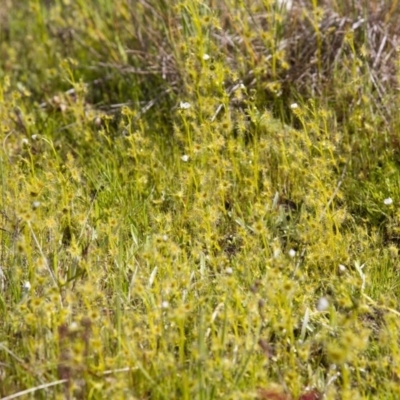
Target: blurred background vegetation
x,y
199,199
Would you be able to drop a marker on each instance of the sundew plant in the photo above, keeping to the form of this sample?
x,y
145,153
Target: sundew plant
x,y
199,199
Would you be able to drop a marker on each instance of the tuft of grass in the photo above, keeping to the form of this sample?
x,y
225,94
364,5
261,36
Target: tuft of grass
x,y
199,200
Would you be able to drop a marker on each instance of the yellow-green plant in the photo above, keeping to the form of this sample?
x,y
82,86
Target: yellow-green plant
x,y
184,214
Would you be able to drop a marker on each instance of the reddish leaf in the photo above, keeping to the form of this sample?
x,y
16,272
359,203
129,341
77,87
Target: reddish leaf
x,y
311,395
271,394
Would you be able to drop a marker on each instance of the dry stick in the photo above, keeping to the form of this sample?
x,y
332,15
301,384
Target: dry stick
x,y
379,90
55,383
373,302
230,91
378,55
150,104
142,111
21,362
32,390
131,70
4,145
219,108
51,273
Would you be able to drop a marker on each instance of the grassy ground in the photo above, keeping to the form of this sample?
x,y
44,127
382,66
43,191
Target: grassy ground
x,y
199,200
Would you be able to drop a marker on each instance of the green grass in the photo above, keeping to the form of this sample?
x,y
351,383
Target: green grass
x,y
184,214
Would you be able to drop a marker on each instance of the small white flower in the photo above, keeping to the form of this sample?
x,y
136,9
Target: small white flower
x,y
184,105
63,107
164,304
97,122
292,253
285,4
241,86
25,142
35,204
342,268
185,158
165,238
229,271
74,327
388,201
26,286
277,252
323,304
2,279
34,137
293,106
206,57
